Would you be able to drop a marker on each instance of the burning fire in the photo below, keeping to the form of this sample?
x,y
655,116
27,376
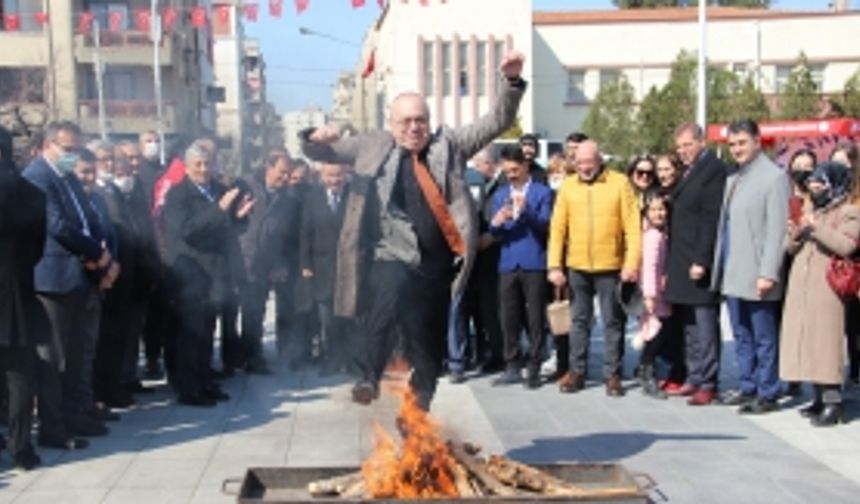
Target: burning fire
x,y
421,468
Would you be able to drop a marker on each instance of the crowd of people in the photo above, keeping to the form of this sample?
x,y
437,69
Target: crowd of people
x,y
107,255
668,242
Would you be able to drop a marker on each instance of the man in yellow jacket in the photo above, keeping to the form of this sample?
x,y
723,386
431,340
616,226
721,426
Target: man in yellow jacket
x,y
594,242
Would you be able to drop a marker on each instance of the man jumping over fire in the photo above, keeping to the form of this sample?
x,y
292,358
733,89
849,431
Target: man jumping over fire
x,y
409,235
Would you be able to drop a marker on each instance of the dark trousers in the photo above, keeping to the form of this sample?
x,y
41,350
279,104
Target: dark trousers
x,y
74,321
458,333
754,324
291,326
852,333
194,341
652,347
333,332
827,394
672,347
583,287
159,323
402,298
232,348
134,323
254,296
489,341
701,325
522,296
16,364
108,367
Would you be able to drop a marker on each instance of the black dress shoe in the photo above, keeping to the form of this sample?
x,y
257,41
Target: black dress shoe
x,y
27,460
258,369
736,398
216,394
120,400
364,392
813,410
71,443
533,381
759,407
86,426
831,415
195,400
457,377
136,387
509,377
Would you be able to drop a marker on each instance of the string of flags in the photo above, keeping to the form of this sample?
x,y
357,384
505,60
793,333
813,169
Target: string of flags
x,y
198,16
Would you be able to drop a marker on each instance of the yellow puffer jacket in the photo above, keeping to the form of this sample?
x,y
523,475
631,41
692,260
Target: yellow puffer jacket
x,y
597,224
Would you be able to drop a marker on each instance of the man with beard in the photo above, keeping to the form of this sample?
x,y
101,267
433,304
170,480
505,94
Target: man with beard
x,y
531,147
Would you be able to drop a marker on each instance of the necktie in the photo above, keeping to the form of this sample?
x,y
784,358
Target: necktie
x,y
332,201
438,206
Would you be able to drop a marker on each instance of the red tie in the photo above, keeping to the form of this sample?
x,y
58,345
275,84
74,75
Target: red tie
x,y
438,206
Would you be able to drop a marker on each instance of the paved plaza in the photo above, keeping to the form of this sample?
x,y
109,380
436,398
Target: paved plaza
x,y
163,453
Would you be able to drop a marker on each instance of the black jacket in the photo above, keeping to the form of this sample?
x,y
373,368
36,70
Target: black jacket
x,y
269,242
319,237
149,173
22,240
696,202
202,243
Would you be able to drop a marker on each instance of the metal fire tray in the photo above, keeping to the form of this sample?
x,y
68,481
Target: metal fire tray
x,y
288,485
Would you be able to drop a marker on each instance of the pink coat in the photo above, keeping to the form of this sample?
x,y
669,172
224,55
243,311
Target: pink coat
x,y
652,278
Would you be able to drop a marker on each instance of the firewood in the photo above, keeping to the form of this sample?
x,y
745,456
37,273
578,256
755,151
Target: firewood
x,y
335,486
477,470
357,490
524,476
472,448
461,480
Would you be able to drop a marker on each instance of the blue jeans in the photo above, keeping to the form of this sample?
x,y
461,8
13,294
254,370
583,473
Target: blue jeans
x,y
754,324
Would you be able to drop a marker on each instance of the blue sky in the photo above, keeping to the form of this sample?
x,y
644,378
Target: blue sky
x,y
302,69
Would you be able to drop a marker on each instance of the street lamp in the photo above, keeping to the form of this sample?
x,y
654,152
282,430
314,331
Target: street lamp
x,y
307,31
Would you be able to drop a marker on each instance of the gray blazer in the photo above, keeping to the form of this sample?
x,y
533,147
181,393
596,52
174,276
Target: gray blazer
x,y
447,154
756,199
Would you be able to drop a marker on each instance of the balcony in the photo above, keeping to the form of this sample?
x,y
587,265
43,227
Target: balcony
x,y
125,48
128,116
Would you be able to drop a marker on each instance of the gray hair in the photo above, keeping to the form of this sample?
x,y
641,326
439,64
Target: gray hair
x,y
195,151
99,144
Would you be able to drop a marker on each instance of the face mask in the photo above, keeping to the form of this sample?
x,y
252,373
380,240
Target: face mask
x,y
555,183
105,177
800,177
151,150
66,162
124,183
820,199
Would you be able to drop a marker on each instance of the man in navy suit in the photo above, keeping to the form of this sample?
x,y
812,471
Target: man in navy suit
x,y
66,279
521,224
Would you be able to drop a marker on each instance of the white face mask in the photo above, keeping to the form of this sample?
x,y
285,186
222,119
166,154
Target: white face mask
x,y
151,150
124,183
555,182
104,177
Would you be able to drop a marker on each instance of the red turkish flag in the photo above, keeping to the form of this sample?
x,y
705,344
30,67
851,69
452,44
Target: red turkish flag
x,y
85,22
198,17
370,66
41,17
357,3
425,3
115,19
223,13
276,8
142,20
252,12
11,22
301,5
168,18
381,3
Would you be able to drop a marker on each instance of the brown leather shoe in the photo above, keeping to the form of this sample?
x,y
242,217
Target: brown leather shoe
x,y
613,387
571,382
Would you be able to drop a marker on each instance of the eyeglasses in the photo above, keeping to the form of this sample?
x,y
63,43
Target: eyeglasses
x,y
643,173
417,121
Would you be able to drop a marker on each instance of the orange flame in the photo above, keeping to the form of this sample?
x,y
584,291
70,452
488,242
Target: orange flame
x,y
419,469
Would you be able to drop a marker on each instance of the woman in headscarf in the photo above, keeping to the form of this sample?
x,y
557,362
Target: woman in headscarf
x,y
812,347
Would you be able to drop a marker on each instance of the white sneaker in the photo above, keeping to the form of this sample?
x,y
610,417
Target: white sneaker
x,y
549,366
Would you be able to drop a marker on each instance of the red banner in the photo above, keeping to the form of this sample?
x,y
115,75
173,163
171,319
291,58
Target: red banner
x,y
252,12
301,5
223,13
41,18
276,8
168,18
115,20
85,22
357,3
381,3
198,17
11,22
142,20
369,66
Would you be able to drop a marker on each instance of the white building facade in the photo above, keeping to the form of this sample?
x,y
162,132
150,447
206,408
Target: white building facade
x,y
298,120
451,51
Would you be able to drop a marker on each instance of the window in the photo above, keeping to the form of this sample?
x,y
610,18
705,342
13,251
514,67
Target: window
x,y
121,83
608,76
782,74
816,71
25,9
740,70
446,69
463,77
427,51
481,65
575,86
